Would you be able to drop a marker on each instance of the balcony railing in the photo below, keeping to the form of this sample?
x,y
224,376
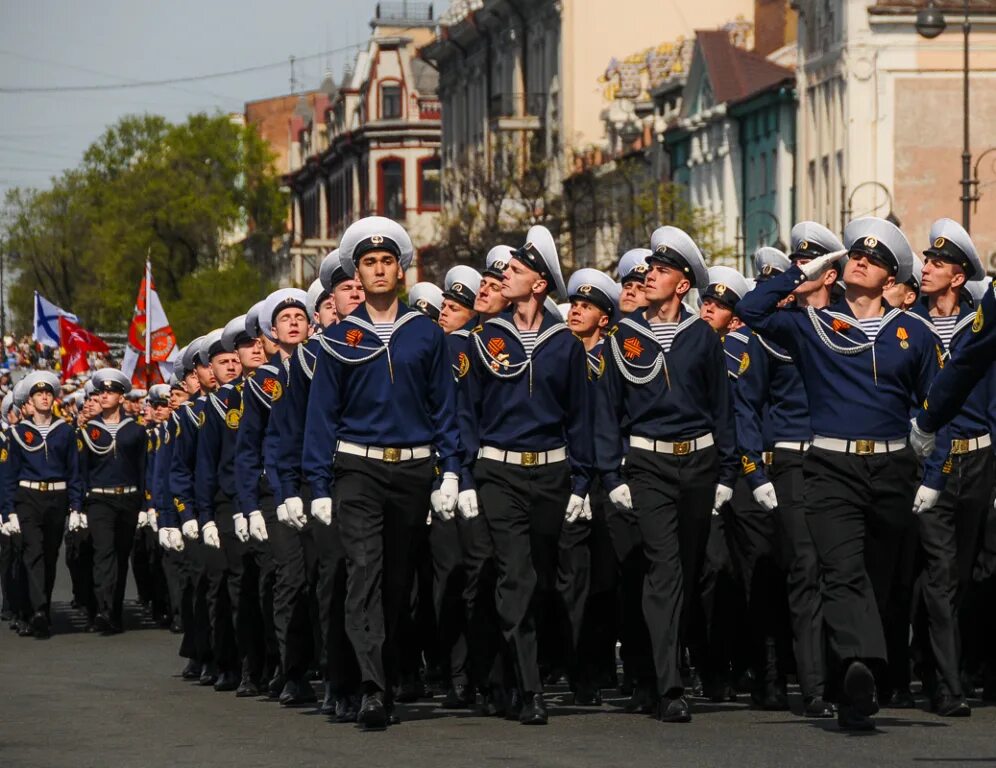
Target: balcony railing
x,y
404,11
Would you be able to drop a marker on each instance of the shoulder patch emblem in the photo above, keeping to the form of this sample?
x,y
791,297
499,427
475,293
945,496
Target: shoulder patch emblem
x,y
3,455
232,419
200,418
744,363
272,388
632,348
29,437
94,434
979,320
496,345
839,325
463,364
354,337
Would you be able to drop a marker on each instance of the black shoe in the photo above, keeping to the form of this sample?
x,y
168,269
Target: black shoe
x,y
247,688
849,719
773,698
410,691
642,701
102,621
347,708
950,706
859,691
372,715
328,704
901,698
719,692
674,710
40,626
227,681
209,674
488,706
297,693
23,629
587,696
533,710
192,671
817,707
176,627
459,697
90,627
276,685
514,706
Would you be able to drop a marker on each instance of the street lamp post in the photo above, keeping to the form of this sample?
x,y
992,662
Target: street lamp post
x,y
847,208
930,22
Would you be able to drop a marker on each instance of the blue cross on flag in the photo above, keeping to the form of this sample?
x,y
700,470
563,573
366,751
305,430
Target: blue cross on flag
x,y
47,317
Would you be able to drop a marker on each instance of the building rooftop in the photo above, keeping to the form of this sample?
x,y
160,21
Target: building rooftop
x,y
403,13
736,73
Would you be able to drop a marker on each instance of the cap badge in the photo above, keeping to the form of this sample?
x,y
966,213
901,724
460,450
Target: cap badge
x,y
939,242
421,303
720,289
377,239
767,269
804,245
584,290
457,287
640,269
501,265
871,241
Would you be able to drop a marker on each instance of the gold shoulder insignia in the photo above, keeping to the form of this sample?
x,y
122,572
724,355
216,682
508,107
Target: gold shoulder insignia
x,y
744,364
463,364
979,320
232,418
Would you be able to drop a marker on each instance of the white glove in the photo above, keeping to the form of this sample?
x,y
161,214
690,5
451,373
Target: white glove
x,y
765,496
921,442
241,528
295,512
449,492
321,510
164,537
74,521
621,498
723,493
436,503
13,524
4,529
821,264
153,520
143,519
575,506
257,526
174,540
586,512
190,529
209,533
467,504
84,523
282,515
925,499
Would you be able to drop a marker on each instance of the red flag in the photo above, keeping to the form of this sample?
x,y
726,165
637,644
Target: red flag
x,y
76,342
151,341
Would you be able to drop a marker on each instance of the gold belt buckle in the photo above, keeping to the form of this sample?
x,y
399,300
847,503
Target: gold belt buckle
x,y
959,446
864,447
768,457
42,486
392,455
118,490
683,448
530,458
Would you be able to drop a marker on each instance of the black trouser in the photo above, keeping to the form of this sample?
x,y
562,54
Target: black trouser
x,y
42,517
524,508
224,572
196,641
79,562
161,598
173,572
672,502
111,520
797,557
380,507
336,656
13,576
600,625
859,512
573,587
951,535
211,604
294,557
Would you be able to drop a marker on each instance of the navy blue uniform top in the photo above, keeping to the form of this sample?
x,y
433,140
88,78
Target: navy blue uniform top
x,y
857,389
215,464
151,454
255,452
300,371
770,405
734,349
113,461
969,363
458,344
673,396
183,462
520,402
34,458
162,500
596,362
399,395
7,501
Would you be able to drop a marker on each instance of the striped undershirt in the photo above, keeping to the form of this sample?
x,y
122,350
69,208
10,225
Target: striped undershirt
x,y
945,327
44,429
384,331
528,341
664,333
112,428
870,326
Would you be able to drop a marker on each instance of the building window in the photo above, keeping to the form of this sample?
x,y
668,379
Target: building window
x,y
429,190
392,188
390,102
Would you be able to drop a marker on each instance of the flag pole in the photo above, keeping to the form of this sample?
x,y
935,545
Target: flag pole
x,y
148,327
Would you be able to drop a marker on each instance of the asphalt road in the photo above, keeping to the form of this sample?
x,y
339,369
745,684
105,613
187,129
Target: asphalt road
x,y
81,700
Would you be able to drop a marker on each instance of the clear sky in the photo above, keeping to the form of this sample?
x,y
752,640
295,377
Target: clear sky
x,y
65,43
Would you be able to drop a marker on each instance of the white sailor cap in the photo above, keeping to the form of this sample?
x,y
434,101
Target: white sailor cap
x,y
770,261
252,319
78,397
20,392
916,277
726,285
234,334
374,233
540,255
315,296
496,262
461,285
810,239
633,265
6,404
159,394
212,345
427,298
191,354
331,271
596,287
40,381
88,389
950,242
111,380
564,310
135,394
882,241
673,246
277,302
976,289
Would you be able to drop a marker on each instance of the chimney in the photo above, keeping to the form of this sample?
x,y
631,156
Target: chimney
x,y
775,24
